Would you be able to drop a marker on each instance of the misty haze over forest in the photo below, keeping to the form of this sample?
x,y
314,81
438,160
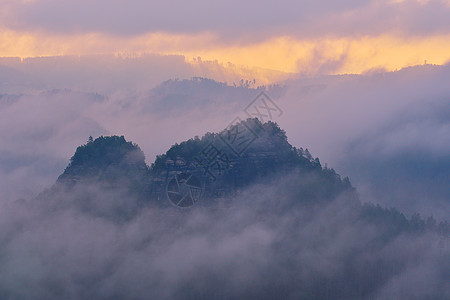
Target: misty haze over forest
x,y
267,241
225,150
384,138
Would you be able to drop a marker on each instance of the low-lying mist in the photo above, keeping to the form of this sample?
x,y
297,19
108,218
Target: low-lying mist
x,y
264,243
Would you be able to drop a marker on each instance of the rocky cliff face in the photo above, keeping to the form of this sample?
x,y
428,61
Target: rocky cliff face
x,y
228,162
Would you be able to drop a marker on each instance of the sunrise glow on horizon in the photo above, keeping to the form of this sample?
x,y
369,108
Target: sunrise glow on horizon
x,y
328,55
306,39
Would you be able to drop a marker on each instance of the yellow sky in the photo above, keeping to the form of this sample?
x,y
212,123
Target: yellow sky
x,y
329,55
334,55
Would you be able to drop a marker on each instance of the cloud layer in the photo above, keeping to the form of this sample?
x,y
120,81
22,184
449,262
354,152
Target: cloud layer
x,y
265,247
291,36
231,19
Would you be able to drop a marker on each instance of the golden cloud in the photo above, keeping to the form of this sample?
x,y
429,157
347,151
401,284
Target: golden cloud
x,y
328,55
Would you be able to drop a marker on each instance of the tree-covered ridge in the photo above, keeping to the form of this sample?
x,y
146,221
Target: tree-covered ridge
x,y
104,152
118,166
175,93
109,160
270,137
269,155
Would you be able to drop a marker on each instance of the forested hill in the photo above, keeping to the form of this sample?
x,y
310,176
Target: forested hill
x,y
227,169
115,167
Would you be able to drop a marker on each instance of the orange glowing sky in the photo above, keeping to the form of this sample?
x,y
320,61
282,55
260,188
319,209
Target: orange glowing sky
x,y
339,40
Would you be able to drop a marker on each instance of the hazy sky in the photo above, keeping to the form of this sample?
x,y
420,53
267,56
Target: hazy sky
x,y
292,36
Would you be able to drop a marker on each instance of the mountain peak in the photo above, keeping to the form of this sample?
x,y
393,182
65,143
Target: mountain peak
x,y
226,171
106,159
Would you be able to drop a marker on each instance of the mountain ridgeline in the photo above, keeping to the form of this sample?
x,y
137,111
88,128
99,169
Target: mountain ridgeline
x,y
117,168
116,164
